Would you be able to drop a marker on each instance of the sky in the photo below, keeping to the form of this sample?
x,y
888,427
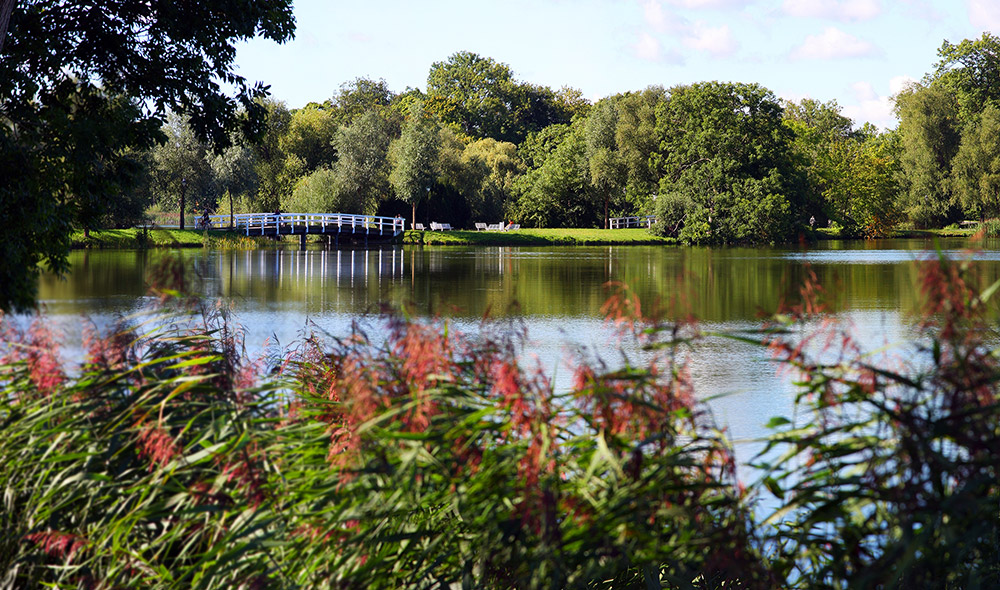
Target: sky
x,y
856,52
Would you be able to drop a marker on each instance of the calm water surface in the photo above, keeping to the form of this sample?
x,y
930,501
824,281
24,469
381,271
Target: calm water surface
x,y
558,292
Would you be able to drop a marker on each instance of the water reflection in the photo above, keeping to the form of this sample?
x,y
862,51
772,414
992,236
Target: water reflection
x,y
559,292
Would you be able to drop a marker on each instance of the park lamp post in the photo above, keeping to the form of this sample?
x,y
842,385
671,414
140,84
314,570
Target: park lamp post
x,y
184,182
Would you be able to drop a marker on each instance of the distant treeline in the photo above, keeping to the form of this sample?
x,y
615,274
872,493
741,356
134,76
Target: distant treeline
x,y
716,162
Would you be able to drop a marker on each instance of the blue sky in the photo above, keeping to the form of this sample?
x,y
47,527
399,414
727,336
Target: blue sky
x,y
857,52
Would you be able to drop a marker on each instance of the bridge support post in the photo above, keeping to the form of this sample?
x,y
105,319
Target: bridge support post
x,y
302,241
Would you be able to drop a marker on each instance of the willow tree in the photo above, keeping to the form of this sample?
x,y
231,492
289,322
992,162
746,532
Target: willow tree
x,y
413,157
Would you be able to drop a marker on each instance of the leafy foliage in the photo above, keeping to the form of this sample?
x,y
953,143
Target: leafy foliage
x,y
84,87
724,147
889,480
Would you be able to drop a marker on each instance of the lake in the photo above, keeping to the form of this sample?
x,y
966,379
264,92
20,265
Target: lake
x,y
557,291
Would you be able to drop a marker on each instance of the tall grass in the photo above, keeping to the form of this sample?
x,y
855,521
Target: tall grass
x,y
434,459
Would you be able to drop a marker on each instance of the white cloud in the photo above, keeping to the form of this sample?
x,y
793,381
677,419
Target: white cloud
x,y
718,41
843,10
832,44
984,14
697,4
661,20
647,47
870,107
899,83
922,10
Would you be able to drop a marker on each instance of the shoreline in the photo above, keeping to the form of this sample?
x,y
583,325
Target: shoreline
x,y
126,239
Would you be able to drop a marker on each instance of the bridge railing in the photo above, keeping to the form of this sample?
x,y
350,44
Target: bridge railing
x,y
638,221
302,223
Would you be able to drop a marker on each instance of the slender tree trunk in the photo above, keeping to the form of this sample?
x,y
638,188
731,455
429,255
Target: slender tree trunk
x,y
232,218
182,207
414,215
6,8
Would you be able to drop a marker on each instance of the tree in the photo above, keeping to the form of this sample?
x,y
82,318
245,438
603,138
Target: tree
x,y
235,171
181,168
362,166
414,156
604,162
862,187
156,55
818,130
494,167
479,97
970,71
277,170
309,136
358,97
318,193
724,149
557,193
930,135
635,136
976,167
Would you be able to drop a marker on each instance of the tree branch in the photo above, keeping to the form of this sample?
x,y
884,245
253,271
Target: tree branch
x,y
6,8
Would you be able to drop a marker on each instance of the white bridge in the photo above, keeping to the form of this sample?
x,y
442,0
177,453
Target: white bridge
x,y
303,224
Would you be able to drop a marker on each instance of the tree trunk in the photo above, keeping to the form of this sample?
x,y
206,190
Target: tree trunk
x,y
414,216
6,8
182,208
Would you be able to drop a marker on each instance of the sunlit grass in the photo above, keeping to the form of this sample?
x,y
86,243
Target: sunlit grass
x,y
537,237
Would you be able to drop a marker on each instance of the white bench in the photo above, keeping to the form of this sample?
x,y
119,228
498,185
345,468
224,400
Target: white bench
x,y
480,227
435,226
418,226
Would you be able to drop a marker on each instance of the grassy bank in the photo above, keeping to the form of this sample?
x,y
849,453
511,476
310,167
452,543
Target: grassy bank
x,y
135,238
537,237
175,238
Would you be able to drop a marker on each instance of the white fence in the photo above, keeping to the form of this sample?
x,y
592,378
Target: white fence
x,y
623,222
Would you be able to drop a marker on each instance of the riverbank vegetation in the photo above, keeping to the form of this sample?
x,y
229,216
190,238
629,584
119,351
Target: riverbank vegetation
x,y
715,162
432,458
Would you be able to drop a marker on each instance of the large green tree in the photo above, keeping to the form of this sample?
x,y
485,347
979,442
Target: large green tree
x,y
362,166
976,167
724,152
819,130
480,98
862,183
636,139
931,134
414,157
969,71
557,193
64,64
182,174
605,164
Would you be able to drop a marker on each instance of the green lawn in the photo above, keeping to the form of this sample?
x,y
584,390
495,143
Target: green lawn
x,y
163,238
536,237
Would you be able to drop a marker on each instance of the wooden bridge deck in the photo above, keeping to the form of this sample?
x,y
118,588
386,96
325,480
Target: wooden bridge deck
x,y
303,224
